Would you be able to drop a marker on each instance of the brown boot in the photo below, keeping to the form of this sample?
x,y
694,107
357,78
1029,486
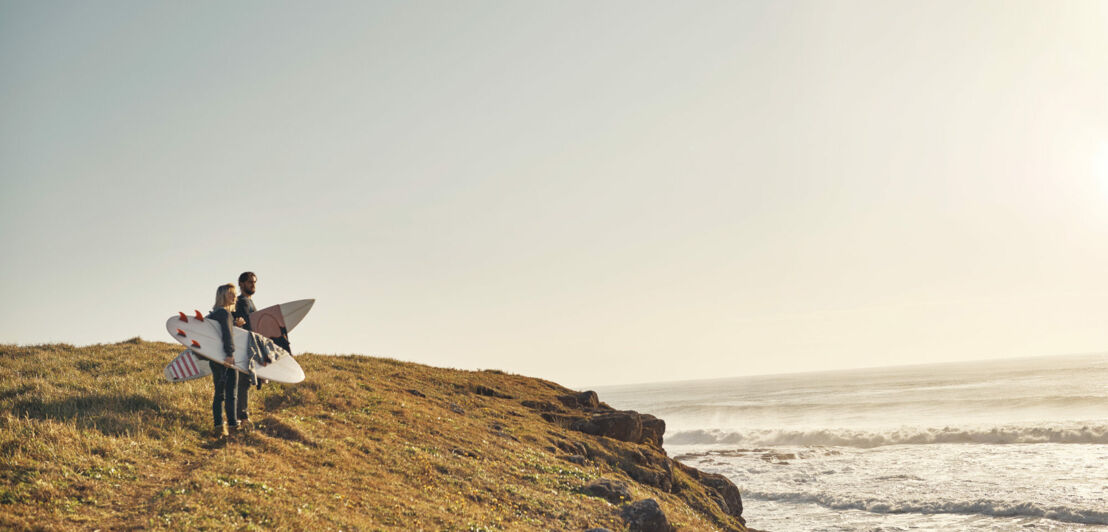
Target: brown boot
x,y
220,431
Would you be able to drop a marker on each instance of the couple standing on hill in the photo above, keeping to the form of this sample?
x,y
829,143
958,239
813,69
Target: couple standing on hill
x,y
232,390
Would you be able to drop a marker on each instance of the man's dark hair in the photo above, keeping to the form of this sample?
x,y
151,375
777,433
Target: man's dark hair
x,y
246,275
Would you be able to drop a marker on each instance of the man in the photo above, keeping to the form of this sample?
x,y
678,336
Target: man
x,y
244,306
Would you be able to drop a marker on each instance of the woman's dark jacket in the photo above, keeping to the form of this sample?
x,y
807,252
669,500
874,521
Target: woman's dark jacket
x,y
224,318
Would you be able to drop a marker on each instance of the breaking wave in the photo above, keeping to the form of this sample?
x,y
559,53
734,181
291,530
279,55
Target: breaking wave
x,y
1097,434
978,507
812,406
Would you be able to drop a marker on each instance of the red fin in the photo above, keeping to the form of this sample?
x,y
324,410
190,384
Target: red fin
x,y
181,333
195,344
183,317
199,316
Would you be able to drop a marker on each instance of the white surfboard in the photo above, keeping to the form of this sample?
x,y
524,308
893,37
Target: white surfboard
x,y
266,322
270,320
186,367
203,337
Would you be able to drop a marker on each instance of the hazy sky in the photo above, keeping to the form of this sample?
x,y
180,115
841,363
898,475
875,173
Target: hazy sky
x,y
589,192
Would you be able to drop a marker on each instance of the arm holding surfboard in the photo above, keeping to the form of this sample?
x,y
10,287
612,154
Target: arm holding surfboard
x,y
268,322
223,317
244,307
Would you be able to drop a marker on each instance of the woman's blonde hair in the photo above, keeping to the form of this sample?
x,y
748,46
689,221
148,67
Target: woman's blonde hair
x,y
225,297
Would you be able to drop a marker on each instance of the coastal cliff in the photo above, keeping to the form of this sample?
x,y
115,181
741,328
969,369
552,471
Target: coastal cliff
x,y
95,438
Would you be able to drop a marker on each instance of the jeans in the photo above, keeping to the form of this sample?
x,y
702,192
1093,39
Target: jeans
x,y
243,395
223,400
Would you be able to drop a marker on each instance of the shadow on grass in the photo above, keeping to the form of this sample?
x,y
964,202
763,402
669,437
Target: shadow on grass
x,y
212,444
299,395
112,415
252,436
12,393
277,429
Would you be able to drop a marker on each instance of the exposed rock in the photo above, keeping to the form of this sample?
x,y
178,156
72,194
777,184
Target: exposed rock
x,y
652,430
688,470
722,490
577,459
489,392
778,458
464,452
500,430
457,409
561,419
636,456
661,477
646,516
623,426
541,406
629,426
417,393
613,491
571,447
581,401
727,491
645,463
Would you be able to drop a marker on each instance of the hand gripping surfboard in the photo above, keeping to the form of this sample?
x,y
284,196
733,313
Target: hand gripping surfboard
x,y
266,322
203,337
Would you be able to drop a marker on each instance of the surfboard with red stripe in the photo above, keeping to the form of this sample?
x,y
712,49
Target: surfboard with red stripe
x,y
272,321
204,337
186,367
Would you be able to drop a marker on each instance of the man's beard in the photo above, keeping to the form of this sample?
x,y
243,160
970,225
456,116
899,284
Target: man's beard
x,y
247,292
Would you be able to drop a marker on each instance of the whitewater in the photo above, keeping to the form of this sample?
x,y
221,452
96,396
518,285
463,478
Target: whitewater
x,y
1016,444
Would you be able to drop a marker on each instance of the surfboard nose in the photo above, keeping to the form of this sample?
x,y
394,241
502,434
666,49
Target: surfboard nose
x,y
298,375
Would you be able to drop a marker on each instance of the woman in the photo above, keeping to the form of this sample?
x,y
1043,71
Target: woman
x,y
224,375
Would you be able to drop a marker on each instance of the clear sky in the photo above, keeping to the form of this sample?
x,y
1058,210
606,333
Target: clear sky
x,y
589,192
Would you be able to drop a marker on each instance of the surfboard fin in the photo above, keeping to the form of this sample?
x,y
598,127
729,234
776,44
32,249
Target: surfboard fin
x,y
196,344
181,333
183,317
199,316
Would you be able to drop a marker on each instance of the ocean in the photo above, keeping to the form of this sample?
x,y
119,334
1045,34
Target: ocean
x,y
1016,444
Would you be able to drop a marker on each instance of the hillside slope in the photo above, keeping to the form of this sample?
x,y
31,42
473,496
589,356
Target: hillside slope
x,y
95,438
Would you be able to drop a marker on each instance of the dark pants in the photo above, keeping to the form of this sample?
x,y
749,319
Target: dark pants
x,y
243,395
223,400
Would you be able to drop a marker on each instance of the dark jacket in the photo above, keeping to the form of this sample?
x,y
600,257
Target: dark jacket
x,y
224,318
244,307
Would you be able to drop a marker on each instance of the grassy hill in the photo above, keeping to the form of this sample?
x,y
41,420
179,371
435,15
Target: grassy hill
x,y
95,438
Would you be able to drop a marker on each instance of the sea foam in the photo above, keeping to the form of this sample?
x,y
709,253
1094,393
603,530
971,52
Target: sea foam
x,y
990,508
1086,434
991,446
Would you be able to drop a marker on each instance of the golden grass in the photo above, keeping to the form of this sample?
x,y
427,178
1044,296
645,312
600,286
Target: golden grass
x,y
95,438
